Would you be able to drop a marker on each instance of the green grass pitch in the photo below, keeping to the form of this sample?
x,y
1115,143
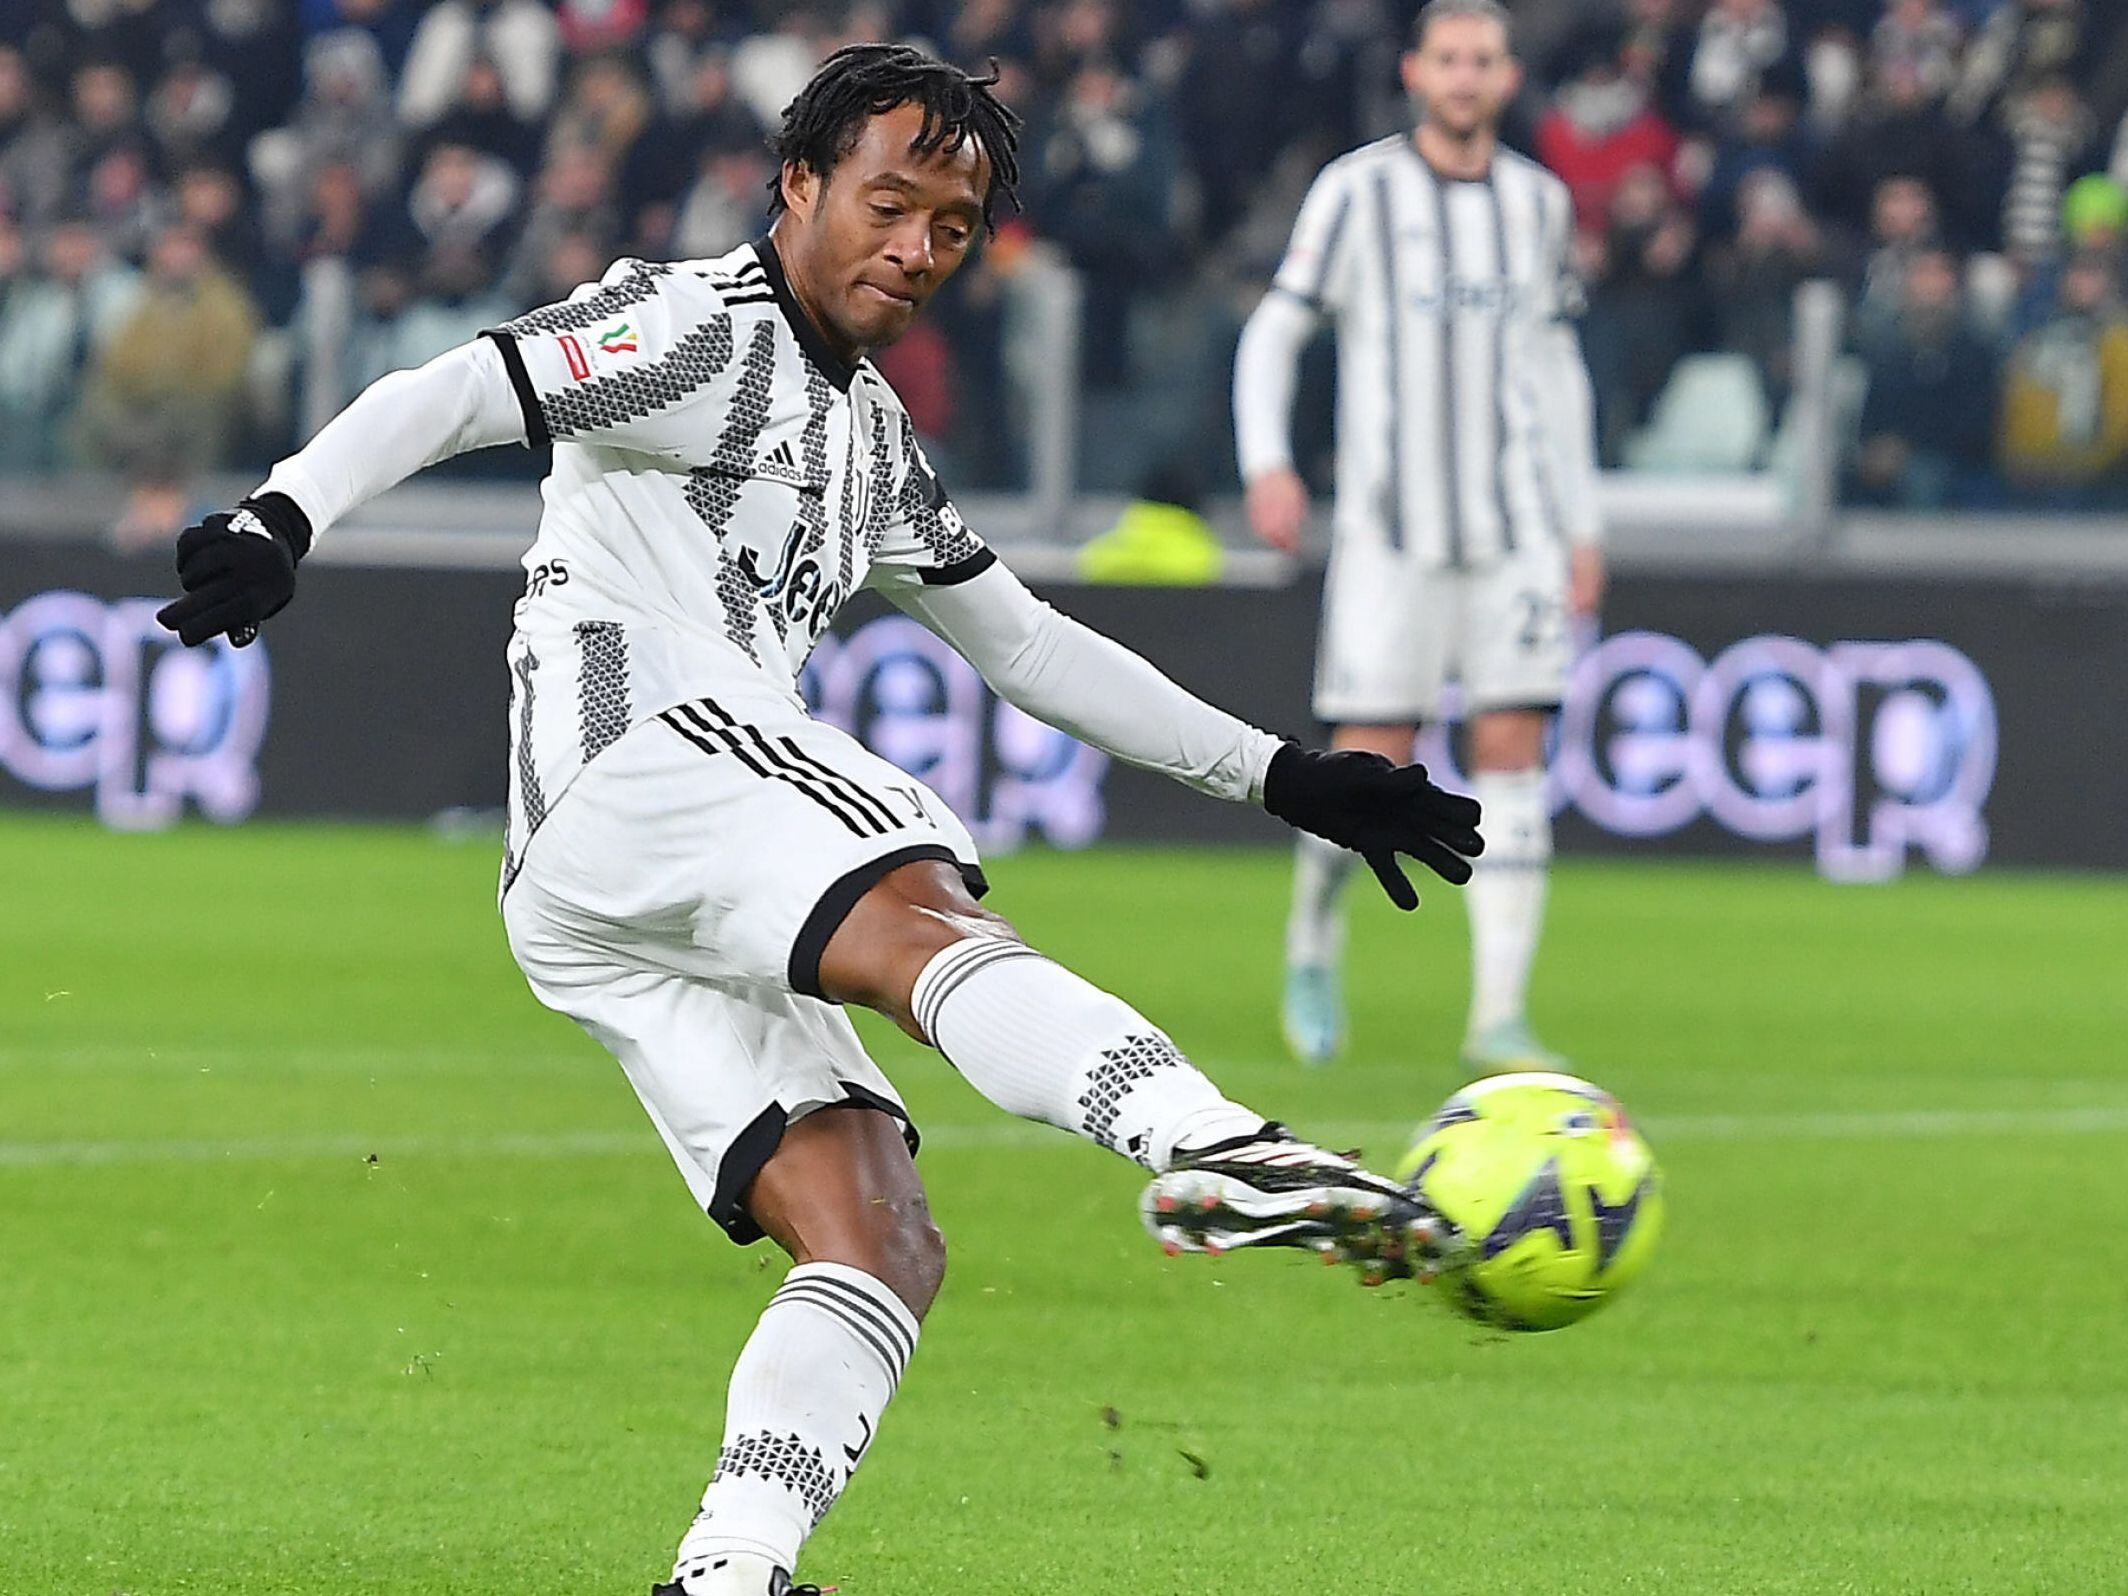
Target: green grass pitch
x,y
334,1264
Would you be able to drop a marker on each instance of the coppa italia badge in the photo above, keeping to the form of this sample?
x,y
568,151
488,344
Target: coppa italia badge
x,y
619,339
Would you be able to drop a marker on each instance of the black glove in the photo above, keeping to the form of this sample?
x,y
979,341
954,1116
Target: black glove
x,y
1378,810
238,568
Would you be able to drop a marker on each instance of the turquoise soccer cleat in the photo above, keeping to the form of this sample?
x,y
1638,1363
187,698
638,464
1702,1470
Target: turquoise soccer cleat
x,y
1509,1046
1313,1014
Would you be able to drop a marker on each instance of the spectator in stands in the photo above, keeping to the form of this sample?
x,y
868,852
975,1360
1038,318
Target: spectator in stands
x,y
481,118
35,149
2023,42
606,110
53,322
1646,303
462,197
105,123
1739,42
1899,131
345,118
189,111
1769,136
388,24
1917,36
210,200
165,397
255,44
575,196
340,222
1754,278
1599,128
1925,421
573,260
1099,178
592,26
1232,103
415,319
710,120
686,32
516,40
1656,52
2050,132
2064,437
1903,222
770,67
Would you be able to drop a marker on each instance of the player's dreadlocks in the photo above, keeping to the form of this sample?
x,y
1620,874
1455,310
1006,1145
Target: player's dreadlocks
x,y
860,81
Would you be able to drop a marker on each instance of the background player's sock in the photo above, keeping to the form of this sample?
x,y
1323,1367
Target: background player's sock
x,y
1506,893
805,1401
1315,926
1040,1042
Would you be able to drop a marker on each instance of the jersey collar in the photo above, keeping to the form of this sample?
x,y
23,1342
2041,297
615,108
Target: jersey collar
x,y
832,366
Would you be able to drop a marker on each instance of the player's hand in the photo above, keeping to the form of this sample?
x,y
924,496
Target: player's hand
x,y
1278,507
1361,801
238,568
1584,581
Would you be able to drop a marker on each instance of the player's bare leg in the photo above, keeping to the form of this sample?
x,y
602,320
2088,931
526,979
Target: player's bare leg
x,y
841,1196
1042,1043
1506,894
1312,1008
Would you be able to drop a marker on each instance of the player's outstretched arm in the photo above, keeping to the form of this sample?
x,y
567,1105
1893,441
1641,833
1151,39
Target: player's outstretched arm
x,y
238,567
1091,686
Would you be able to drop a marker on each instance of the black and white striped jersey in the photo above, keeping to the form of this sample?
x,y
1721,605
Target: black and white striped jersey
x,y
722,483
1463,426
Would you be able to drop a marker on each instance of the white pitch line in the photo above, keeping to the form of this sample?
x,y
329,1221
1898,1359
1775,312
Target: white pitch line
x,y
1895,1125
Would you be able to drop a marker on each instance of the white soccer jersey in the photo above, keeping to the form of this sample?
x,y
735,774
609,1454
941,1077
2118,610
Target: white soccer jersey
x,y
1463,431
722,483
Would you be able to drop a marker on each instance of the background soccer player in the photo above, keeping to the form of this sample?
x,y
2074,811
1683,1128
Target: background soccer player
x,y
700,873
1465,525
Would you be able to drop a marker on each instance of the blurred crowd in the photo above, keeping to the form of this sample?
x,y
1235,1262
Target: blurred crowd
x,y
190,189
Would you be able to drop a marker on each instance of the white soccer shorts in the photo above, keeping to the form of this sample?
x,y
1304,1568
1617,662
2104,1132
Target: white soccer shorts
x,y
676,902
1396,629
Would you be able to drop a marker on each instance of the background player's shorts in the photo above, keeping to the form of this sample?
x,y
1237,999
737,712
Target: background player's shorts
x,y
676,901
1396,628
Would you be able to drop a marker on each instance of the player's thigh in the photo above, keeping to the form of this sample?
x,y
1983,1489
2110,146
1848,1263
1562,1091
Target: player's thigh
x,y
1516,645
731,836
723,1074
1387,635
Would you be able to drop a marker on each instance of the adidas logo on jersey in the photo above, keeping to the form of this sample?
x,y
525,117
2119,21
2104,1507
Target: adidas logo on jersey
x,y
780,464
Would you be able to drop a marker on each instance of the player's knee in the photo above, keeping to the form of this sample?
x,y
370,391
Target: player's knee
x,y
907,919
910,1252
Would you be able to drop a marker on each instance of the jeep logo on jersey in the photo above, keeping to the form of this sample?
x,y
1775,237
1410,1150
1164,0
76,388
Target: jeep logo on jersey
x,y
619,339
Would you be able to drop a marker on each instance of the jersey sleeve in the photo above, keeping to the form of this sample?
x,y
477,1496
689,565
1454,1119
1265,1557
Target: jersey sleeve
x,y
922,538
1316,269
1568,295
633,361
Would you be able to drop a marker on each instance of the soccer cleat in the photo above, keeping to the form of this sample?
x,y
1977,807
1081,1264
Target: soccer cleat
x,y
1273,1190
1313,1013
1508,1047
738,1575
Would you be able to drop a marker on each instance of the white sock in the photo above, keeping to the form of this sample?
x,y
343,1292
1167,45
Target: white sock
x,y
1043,1044
1506,893
1315,927
805,1401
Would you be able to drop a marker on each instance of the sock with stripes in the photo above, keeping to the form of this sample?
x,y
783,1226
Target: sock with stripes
x,y
1040,1042
804,1404
1315,926
1505,897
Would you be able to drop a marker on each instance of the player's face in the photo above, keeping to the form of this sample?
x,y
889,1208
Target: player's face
x,y
875,239
1461,75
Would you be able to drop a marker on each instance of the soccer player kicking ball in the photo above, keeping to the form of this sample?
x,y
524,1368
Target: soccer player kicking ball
x,y
701,875
1466,528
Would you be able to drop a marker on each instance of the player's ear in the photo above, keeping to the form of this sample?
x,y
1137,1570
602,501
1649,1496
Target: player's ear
x,y
801,187
1408,67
